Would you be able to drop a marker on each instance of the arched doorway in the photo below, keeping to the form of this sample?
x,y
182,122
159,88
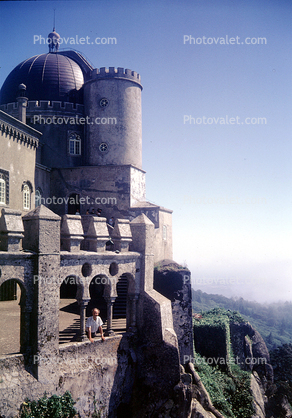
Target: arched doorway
x,y
74,204
96,291
68,288
12,310
69,314
9,290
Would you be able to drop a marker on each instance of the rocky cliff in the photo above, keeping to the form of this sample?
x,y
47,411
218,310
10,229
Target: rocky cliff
x,y
226,343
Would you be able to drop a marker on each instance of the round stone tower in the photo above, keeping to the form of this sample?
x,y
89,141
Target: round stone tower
x,y
112,101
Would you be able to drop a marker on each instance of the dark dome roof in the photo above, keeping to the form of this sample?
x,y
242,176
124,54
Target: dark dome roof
x,y
47,77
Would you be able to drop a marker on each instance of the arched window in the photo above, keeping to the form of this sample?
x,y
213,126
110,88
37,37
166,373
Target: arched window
x,y
74,144
4,187
26,197
38,197
2,192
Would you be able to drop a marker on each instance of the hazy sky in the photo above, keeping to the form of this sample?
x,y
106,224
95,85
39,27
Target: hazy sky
x,y
216,121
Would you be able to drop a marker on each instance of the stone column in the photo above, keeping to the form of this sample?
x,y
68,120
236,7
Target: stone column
x,y
110,300
42,236
83,305
143,242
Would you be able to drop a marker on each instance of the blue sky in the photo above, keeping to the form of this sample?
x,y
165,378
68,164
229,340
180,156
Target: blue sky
x,y
229,185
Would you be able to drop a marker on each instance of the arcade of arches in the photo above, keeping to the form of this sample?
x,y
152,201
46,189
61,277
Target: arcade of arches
x,y
12,297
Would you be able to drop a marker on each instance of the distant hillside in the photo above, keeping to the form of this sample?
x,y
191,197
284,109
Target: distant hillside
x,y
273,321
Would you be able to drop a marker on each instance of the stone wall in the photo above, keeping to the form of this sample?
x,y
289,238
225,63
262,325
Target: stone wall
x,y
88,370
18,155
102,376
174,282
56,120
107,187
163,236
43,181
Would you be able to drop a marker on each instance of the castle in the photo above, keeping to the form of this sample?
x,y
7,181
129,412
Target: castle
x,y
75,217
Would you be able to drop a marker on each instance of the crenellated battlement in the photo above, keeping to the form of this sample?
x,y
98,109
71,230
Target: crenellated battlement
x,y
44,105
112,72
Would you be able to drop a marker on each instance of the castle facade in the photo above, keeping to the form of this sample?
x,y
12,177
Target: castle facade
x,y
75,219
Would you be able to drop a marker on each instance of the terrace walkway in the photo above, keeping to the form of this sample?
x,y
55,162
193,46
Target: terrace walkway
x,y
69,324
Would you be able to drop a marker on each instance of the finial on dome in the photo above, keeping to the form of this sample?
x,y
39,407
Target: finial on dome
x,y
53,39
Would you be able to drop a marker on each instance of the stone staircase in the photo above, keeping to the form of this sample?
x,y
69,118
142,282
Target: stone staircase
x,y
120,305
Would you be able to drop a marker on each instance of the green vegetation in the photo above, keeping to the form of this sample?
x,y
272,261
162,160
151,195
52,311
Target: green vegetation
x,y
212,335
53,407
273,321
229,392
229,386
218,316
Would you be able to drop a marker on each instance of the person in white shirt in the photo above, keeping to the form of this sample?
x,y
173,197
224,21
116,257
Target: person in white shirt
x,y
93,324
